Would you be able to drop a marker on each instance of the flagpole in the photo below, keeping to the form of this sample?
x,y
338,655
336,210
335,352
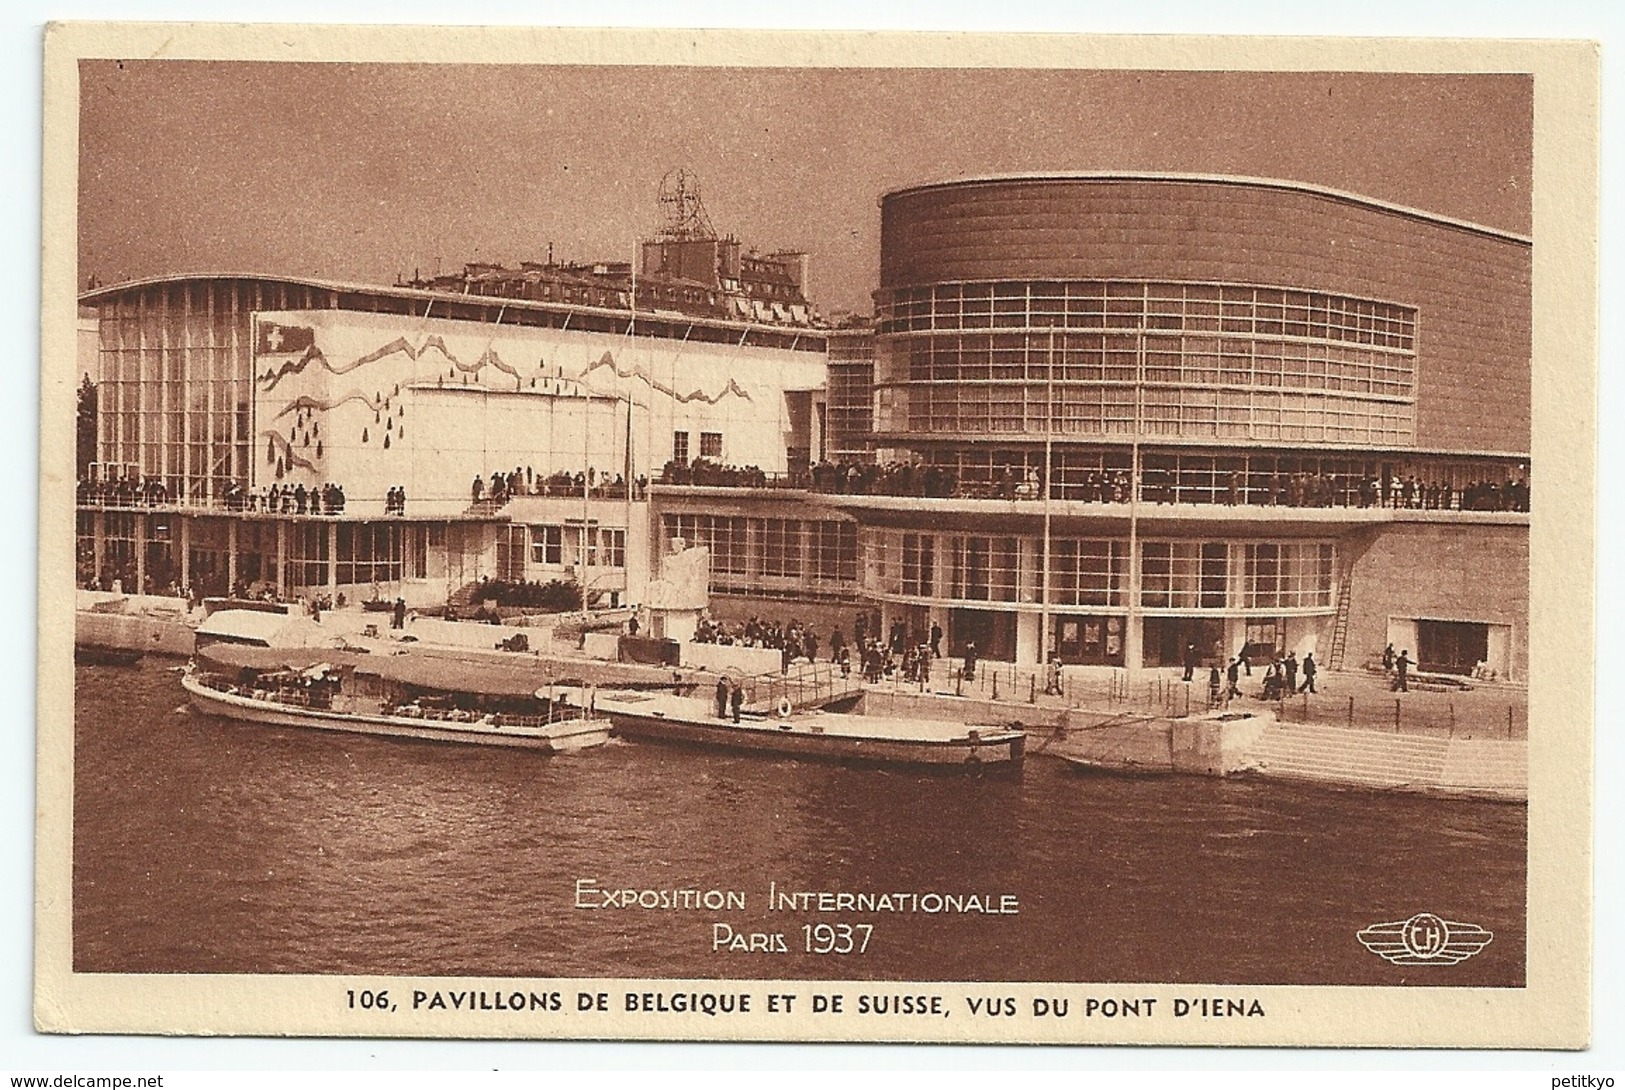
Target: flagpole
x,y
1135,621
1049,472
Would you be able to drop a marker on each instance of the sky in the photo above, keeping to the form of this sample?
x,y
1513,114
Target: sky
x,y
366,172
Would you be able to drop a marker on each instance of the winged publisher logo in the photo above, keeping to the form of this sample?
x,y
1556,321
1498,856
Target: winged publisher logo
x,y
1425,939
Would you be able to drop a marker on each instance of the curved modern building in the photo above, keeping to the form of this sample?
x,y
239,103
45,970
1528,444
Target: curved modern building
x,y
1323,399
1111,417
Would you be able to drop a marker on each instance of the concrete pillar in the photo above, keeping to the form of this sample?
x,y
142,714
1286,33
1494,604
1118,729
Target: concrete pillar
x,y
1499,650
1028,644
185,546
231,555
1134,642
1235,635
1029,574
332,560
1134,623
140,556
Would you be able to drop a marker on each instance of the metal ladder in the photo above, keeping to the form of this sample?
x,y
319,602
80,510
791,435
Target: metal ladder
x,y
1340,630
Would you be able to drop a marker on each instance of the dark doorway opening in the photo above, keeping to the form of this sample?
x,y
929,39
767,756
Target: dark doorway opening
x,y
993,632
1167,637
1451,647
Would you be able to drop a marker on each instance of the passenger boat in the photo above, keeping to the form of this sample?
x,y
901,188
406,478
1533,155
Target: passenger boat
x,y
402,696
816,735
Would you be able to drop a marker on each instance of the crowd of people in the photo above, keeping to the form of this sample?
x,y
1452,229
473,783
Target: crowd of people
x,y
525,481
704,472
124,492
899,654
553,596
1158,485
903,478
791,640
1283,675
323,499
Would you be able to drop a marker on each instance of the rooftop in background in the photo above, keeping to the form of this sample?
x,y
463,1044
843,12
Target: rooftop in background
x,y
701,278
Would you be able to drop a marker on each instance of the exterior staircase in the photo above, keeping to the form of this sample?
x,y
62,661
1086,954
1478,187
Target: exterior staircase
x,y
486,508
1367,758
1488,767
463,599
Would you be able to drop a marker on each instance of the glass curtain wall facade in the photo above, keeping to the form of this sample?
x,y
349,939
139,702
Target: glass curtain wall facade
x,y
776,557
176,392
1223,578
1186,360
849,395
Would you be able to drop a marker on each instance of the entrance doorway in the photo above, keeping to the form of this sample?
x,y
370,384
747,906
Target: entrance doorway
x,y
1089,640
1167,637
1451,647
511,553
993,632
1266,639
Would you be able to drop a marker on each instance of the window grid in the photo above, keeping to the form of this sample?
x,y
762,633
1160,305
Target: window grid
x,y
1290,575
1179,307
768,555
1189,576
1219,362
547,545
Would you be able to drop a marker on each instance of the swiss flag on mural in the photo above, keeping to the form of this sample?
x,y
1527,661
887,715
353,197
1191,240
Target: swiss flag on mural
x,y
282,340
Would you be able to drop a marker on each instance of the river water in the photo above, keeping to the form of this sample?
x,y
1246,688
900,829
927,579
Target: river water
x,y
202,845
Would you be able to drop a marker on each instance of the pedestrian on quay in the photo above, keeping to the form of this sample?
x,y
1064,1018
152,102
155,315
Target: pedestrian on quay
x,y
1291,668
1190,661
1309,671
1052,681
736,699
722,698
970,660
936,640
1233,675
1402,668
1213,686
1388,659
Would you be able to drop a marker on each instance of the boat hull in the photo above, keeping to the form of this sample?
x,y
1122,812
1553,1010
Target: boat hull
x,y
554,737
85,654
802,739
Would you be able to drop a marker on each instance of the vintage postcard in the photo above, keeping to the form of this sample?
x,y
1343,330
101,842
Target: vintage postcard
x,y
816,537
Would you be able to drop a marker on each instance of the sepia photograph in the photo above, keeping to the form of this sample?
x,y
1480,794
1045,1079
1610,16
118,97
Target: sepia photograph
x,y
1060,534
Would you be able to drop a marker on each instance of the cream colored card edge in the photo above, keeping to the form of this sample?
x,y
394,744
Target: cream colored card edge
x,y
1551,1011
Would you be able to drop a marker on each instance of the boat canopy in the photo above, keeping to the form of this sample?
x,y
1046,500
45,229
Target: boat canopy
x,y
456,675
261,629
237,656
